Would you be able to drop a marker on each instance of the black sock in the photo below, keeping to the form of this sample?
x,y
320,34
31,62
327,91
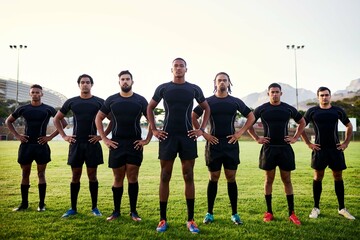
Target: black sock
x,y
340,192
163,206
190,203
211,195
268,203
133,191
117,195
317,189
93,187
233,196
290,201
74,192
24,195
42,193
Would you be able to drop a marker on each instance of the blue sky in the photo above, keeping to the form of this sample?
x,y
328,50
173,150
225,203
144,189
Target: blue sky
x,y
246,39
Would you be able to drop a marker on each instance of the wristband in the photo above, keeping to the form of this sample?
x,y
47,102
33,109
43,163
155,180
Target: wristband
x,y
202,129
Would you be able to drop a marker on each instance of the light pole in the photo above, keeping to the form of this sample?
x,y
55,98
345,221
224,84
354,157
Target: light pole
x,y
18,48
296,47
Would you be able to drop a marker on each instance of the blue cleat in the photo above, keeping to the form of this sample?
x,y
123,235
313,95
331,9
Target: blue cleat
x,y
69,213
209,218
236,219
162,227
193,228
96,212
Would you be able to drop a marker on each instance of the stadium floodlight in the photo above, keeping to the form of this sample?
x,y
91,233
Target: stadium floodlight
x,y
296,47
18,48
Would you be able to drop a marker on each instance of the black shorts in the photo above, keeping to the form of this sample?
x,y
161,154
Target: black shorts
x,y
333,158
272,156
223,153
85,152
182,144
125,154
28,152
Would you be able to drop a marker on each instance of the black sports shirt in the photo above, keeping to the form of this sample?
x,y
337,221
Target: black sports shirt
x,y
326,124
178,104
126,113
84,111
223,114
36,119
275,120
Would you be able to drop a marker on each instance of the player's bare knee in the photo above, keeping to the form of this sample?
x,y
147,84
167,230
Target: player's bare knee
x,y
188,177
165,177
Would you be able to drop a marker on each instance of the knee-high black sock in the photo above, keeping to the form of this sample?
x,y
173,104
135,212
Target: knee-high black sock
x,y
290,201
117,195
93,187
340,192
190,203
24,195
42,193
133,191
211,195
268,203
74,192
233,196
317,189
163,206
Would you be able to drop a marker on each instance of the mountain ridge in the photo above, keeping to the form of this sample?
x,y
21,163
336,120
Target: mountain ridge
x,y
305,96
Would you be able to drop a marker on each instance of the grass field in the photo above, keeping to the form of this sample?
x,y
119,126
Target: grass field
x,y
31,224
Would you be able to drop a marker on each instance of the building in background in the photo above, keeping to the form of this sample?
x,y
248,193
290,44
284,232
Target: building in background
x,y
8,91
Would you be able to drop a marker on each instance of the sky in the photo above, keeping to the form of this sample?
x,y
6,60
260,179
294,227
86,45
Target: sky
x,y
246,39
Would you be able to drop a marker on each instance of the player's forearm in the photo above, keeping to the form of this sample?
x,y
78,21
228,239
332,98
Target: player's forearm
x,y
305,138
252,133
206,117
194,120
13,130
250,119
108,128
151,120
100,127
149,135
300,128
348,134
59,127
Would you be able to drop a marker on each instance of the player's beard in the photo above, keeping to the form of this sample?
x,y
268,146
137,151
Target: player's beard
x,y
223,88
85,91
126,89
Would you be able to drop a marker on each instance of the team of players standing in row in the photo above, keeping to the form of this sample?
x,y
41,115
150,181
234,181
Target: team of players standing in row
x,y
178,137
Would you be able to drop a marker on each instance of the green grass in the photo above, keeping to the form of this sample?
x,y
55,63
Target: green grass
x,y
31,224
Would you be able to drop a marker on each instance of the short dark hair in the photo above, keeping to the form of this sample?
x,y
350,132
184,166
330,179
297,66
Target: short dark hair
x,y
274,85
223,73
125,72
181,59
36,86
322,89
85,76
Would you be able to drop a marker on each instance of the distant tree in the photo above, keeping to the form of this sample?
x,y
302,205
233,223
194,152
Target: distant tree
x,y
302,112
350,105
7,107
158,111
68,115
312,103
